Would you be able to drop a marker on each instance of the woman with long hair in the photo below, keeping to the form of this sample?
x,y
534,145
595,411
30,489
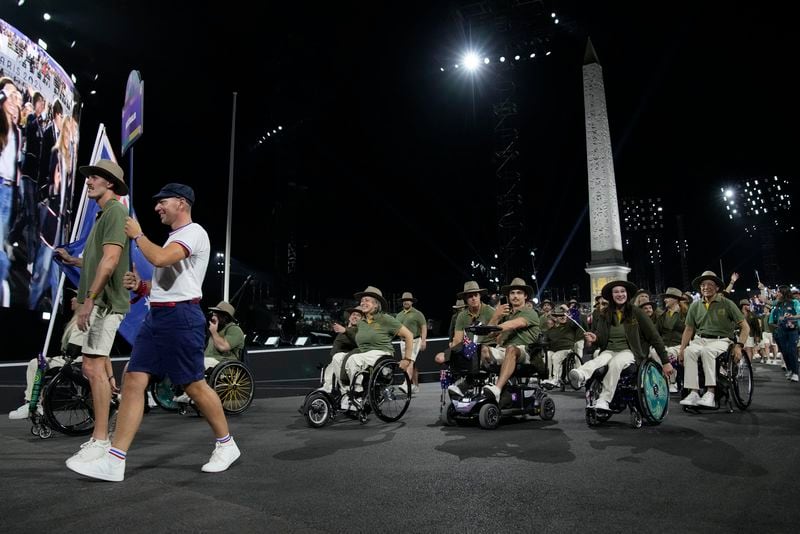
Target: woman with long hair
x,y
618,332
10,149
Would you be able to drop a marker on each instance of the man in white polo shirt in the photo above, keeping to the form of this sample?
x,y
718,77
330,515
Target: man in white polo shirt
x,y
172,338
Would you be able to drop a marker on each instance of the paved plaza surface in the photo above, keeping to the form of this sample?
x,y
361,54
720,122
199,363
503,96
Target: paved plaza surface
x,y
715,472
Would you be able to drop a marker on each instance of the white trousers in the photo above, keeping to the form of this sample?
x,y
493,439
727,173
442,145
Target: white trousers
x,y
616,362
555,359
334,369
707,350
358,362
30,372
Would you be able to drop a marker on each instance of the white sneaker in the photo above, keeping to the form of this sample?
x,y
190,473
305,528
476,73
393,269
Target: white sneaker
x,y
344,404
222,457
673,388
576,378
794,378
106,467
707,400
551,382
494,390
414,388
23,411
601,404
787,375
182,399
691,399
91,450
151,402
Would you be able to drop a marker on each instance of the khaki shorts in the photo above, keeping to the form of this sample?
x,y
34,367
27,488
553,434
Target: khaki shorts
x,y
499,354
103,326
415,349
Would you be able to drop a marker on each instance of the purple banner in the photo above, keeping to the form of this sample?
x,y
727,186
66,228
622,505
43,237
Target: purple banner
x,y
133,110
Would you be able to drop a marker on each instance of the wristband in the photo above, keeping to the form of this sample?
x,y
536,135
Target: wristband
x,y
137,236
91,295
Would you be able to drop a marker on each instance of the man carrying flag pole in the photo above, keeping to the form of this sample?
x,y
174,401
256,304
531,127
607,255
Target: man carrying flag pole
x,y
102,296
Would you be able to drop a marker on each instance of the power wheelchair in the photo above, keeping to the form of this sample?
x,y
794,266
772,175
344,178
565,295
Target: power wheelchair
x,y
734,383
521,397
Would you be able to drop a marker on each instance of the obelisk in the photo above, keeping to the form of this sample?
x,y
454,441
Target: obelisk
x,y
606,238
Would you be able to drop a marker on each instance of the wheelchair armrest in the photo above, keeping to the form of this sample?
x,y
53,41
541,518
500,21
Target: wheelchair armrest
x,y
482,329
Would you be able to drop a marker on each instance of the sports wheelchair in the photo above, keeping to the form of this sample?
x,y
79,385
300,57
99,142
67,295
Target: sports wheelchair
x,y
387,394
521,397
572,361
232,380
642,388
734,383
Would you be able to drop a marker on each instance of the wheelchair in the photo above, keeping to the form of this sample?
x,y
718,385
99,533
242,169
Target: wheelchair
x,y
387,394
67,402
642,389
572,361
521,397
734,383
232,380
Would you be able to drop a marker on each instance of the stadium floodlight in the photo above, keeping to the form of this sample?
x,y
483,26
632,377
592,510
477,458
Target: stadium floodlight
x,y
471,61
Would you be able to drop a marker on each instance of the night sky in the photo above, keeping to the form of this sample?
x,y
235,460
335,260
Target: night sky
x,y
383,170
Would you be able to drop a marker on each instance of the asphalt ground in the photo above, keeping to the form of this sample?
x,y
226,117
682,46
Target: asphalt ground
x,y
713,472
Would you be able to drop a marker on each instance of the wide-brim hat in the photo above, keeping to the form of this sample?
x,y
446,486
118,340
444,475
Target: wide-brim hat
x,y
471,287
224,307
649,302
408,296
743,302
352,309
110,171
375,293
629,287
517,283
562,309
708,275
459,305
673,292
547,301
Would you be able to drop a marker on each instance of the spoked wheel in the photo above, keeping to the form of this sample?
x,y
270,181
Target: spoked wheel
x,y
318,410
741,376
489,416
233,382
67,405
163,393
389,390
572,361
548,409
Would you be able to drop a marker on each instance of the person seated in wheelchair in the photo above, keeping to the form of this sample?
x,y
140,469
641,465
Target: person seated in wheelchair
x,y
374,334
618,332
561,340
225,340
520,328
710,325
670,325
475,312
344,342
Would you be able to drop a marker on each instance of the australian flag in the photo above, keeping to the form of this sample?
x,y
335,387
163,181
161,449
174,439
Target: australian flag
x,y
470,348
130,325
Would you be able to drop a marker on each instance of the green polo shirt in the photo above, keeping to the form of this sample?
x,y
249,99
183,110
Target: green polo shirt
x,y
108,229
467,318
344,342
235,338
377,333
526,335
670,327
561,336
720,319
412,319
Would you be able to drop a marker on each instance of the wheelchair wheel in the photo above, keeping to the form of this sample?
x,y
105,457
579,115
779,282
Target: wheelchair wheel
x,y
449,417
741,377
163,393
67,403
489,416
234,384
636,418
652,392
318,409
388,390
548,409
572,361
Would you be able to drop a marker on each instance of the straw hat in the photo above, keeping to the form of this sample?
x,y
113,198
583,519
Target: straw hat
x,y
375,293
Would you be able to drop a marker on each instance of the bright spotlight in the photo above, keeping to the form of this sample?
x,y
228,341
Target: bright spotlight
x,y
441,69
533,55
728,193
471,61
516,58
502,59
486,61
46,16
556,21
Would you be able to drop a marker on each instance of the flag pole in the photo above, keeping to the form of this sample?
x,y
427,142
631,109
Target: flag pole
x,y
227,277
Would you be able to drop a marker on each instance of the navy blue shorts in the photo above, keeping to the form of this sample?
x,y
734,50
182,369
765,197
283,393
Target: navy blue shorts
x,y
171,342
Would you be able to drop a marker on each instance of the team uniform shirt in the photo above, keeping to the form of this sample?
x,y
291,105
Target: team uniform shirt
x,y
522,336
466,318
344,342
413,320
670,326
561,336
719,319
235,338
377,333
108,229
183,280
